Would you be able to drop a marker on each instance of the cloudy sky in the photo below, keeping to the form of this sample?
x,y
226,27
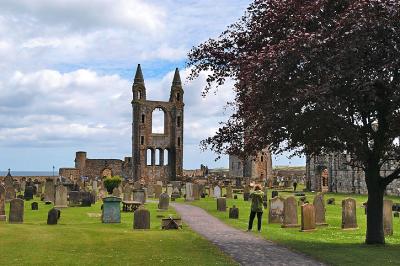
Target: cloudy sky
x,y
67,67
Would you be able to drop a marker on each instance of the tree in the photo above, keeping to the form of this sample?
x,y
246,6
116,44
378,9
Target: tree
x,y
313,76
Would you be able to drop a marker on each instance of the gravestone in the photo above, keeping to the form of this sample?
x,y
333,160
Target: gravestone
x,y
319,207
157,191
163,202
169,189
233,213
275,214
2,203
23,185
387,217
274,194
349,215
16,214
396,214
53,216
150,191
93,197
127,193
229,192
137,185
74,198
34,206
141,219
111,212
49,191
221,204
175,194
86,199
171,223
217,192
8,180
246,196
307,218
330,201
94,185
139,195
116,192
196,191
189,192
290,213
61,197
235,197
211,191
10,193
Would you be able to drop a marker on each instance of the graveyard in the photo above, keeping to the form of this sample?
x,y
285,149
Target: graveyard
x,y
81,238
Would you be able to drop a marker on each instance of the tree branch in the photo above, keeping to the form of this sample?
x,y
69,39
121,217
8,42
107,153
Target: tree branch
x,y
394,175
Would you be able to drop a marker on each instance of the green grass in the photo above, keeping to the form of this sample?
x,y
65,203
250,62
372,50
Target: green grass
x,y
329,244
79,239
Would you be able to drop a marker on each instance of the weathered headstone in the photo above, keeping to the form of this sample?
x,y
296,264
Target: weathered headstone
x,y
139,195
307,218
217,192
233,213
111,210
246,196
16,214
34,206
150,191
275,214
157,191
290,213
319,206
2,203
189,192
94,185
163,202
169,189
52,216
61,197
86,199
349,215
49,191
387,217
274,194
141,219
221,204
330,201
74,198
23,185
211,191
229,192
116,192
196,192
127,193
10,193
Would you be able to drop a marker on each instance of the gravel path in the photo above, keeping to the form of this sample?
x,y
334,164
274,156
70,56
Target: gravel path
x,y
245,248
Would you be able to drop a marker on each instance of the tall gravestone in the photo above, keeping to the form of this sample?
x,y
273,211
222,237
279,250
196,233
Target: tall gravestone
x,y
290,212
163,202
229,192
49,192
246,192
16,214
387,218
319,206
141,219
150,191
94,185
74,198
169,189
221,204
189,192
275,214
139,195
157,190
349,214
217,192
61,197
2,203
127,193
111,210
196,191
307,217
10,193
211,191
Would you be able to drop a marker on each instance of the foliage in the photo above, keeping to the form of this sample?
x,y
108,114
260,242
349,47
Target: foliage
x,y
112,182
313,77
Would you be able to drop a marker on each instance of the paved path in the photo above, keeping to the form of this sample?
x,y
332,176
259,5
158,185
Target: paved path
x,y
245,248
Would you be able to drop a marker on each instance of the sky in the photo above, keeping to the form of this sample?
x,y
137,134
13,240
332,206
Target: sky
x,y
67,68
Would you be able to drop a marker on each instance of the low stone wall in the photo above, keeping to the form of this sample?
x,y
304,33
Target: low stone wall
x,y
19,178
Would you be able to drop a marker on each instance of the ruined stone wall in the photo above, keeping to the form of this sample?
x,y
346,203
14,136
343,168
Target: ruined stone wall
x,y
72,174
343,178
258,167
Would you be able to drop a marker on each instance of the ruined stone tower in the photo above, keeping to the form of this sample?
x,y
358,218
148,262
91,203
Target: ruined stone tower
x,y
157,155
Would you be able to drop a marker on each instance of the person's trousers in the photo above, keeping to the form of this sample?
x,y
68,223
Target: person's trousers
x,y
251,219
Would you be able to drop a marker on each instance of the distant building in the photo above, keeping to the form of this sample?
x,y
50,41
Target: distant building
x,y
332,173
256,167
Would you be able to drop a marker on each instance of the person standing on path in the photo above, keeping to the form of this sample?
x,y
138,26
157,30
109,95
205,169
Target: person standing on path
x,y
294,184
256,207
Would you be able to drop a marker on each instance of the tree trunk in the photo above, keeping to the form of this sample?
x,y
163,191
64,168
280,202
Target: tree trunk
x,y
375,213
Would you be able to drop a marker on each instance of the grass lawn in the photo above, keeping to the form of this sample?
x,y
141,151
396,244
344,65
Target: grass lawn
x,y
81,239
329,244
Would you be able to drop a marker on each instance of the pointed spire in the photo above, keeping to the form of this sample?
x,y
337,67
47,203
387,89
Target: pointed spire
x,y
139,75
177,78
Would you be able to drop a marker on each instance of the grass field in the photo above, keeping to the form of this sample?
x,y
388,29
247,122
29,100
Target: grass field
x,y
328,243
81,239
